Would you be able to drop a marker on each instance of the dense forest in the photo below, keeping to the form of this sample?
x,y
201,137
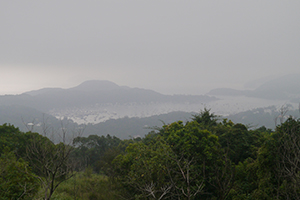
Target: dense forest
x,y
204,158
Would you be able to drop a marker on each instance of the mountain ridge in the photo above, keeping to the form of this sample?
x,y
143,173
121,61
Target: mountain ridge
x,y
93,103
282,88
96,101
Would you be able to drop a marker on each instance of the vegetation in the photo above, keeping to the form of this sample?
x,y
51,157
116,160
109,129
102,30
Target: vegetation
x,y
203,158
16,178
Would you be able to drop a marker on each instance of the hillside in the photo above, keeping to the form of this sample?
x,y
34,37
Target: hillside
x,y
281,88
29,119
96,101
103,107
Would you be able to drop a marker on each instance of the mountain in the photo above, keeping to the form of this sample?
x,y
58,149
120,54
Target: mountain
x,y
102,92
29,119
97,85
266,116
228,92
103,107
97,101
133,127
43,91
282,88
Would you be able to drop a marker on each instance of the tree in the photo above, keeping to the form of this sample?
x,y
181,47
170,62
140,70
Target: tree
x,y
51,162
279,162
16,179
91,149
182,160
224,175
246,180
289,157
195,150
142,170
206,119
10,137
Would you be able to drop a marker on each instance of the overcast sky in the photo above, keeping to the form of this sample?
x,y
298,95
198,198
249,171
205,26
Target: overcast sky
x,y
181,47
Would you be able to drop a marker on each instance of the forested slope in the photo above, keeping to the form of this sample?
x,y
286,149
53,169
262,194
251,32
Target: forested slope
x,y
202,158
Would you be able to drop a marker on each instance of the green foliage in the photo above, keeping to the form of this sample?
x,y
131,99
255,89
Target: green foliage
x,y
238,141
278,159
246,180
198,159
180,158
16,179
83,187
90,150
267,159
203,159
190,140
206,119
144,168
10,137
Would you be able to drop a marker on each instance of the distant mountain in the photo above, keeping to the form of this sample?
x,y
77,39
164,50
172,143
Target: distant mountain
x,y
103,107
97,85
266,116
282,88
228,92
43,91
133,127
97,101
91,93
255,83
29,119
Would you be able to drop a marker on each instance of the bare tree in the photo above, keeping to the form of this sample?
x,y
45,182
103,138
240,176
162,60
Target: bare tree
x,y
51,162
282,112
156,193
29,125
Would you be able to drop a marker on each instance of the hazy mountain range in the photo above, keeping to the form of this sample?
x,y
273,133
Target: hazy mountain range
x,y
282,88
104,107
97,101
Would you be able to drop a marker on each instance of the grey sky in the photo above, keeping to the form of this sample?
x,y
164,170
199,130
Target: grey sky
x,y
183,47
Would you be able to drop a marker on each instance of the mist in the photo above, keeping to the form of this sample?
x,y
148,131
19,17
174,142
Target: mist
x,y
172,47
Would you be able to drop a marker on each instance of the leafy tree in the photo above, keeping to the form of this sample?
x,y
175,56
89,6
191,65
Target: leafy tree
x,y
16,179
246,180
223,176
211,167
278,163
238,141
289,157
92,148
143,169
206,119
9,137
180,159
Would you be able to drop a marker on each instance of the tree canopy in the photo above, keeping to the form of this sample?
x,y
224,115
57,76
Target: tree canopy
x,y
204,158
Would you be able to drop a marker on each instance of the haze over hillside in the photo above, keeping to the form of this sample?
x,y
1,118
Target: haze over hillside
x,y
171,47
282,88
96,101
91,62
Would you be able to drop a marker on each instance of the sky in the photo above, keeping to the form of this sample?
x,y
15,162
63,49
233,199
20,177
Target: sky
x,y
170,46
